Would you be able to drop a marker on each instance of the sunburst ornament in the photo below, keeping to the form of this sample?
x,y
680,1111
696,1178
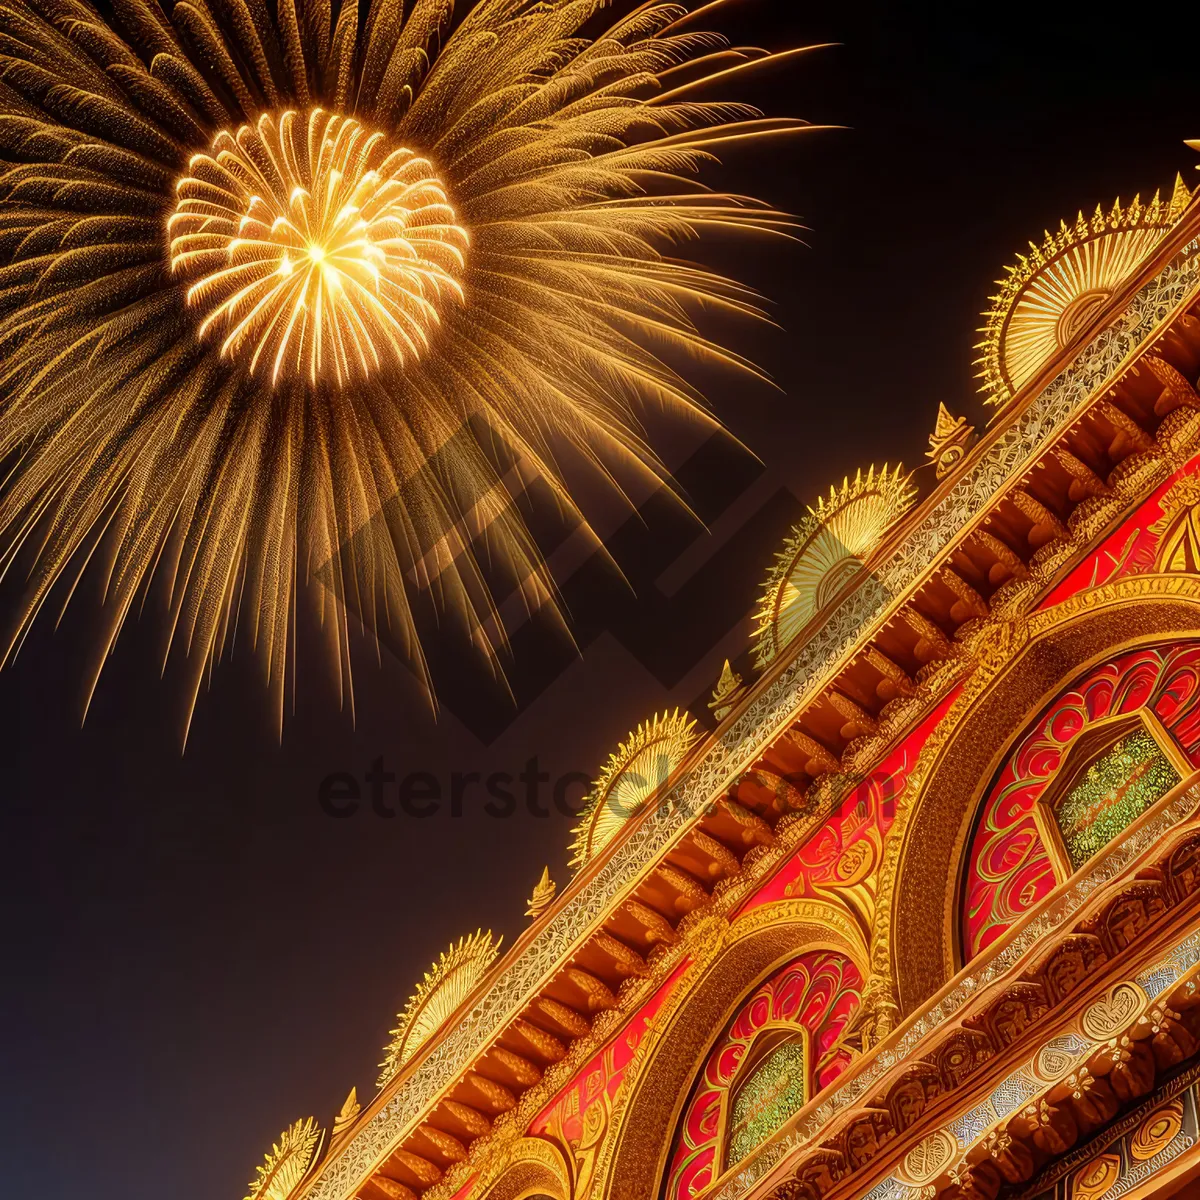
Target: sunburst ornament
x,y
825,550
445,986
638,767
287,1163
287,286
1050,295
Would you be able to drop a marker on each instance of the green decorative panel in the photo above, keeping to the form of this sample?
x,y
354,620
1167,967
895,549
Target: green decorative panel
x,y
774,1090
1116,790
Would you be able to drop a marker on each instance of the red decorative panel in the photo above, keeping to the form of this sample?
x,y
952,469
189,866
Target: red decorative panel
x,y
1008,869
1139,544
845,851
819,991
577,1118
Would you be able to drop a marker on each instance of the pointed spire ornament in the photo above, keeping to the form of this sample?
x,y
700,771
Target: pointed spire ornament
x,y
345,1118
725,693
949,442
543,895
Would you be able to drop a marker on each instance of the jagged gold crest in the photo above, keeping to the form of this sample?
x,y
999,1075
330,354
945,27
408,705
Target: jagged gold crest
x,y
824,550
445,986
638,767
1049,295
543,895
287,1163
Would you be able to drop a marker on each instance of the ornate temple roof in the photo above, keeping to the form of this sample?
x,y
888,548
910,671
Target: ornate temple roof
x,y
873,611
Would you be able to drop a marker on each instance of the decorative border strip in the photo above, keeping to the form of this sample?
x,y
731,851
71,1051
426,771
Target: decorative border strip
x,y
1047,416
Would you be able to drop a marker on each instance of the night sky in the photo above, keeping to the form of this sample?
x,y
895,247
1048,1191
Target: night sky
x,y
195,953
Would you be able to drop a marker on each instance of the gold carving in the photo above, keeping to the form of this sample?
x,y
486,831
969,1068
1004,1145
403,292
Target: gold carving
x,y
1048,298
288,1162
1157,1131
726,693
1178,530
949,442
824,551
543,895
638,767
928,1159
445,986
346,1115
1095,1178
1114,1011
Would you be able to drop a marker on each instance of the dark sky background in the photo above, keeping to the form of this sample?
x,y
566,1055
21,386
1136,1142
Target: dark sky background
x,y
194,953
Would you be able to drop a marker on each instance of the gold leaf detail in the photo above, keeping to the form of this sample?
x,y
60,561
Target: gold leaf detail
x,y
345,1118
445,986
825,550
638,767
1051,295
1114,1012
543,895
287,1163
724,694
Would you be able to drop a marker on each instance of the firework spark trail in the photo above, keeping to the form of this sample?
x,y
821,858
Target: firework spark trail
x,y
256,271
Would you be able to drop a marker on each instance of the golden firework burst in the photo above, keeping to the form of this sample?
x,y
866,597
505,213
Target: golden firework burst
x,y
638,767
278,283
1051,294
287,1163
313,243
825,550
445,986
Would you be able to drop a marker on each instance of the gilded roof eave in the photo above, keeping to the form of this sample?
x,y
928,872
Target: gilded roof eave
x,y
1041,411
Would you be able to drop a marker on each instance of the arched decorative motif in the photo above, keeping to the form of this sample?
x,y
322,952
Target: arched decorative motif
x,y
635,770
732,960
801,1010
1028,662
825,550
1009,865
530,1169
1048,297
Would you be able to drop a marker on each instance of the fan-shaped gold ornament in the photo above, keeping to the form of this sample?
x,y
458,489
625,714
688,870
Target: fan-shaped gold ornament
x,y
638,767
1051,294
826,549
445,986
287,1163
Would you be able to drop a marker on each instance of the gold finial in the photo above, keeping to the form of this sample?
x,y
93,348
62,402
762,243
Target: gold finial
x,y
345,1118
725,693
288,1162
950,440
542,896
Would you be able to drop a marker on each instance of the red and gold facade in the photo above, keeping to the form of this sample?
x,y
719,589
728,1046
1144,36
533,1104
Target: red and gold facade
x,y
920,918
